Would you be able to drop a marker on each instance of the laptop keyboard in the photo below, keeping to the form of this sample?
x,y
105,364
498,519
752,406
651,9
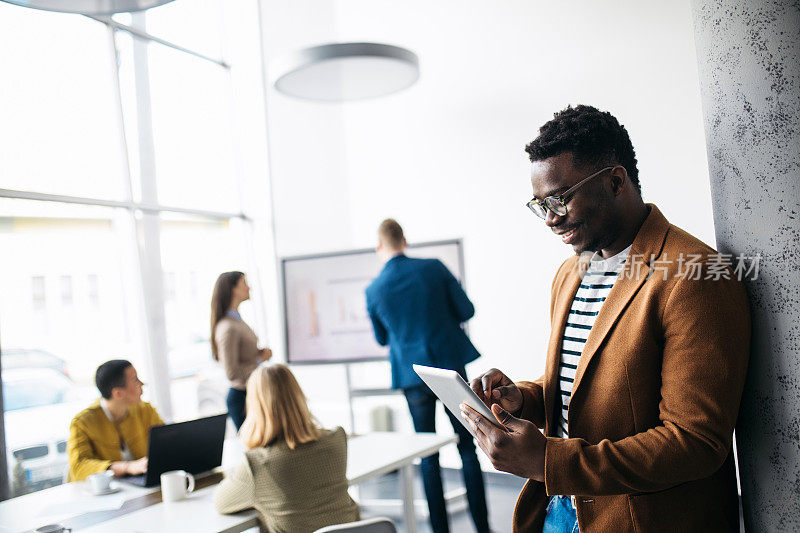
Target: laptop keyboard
x,y
135,480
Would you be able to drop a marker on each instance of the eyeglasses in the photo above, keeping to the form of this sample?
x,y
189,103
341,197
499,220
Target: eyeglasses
x,y
558,204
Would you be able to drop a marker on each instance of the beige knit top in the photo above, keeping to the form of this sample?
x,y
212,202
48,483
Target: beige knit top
x,y
237,346
294,491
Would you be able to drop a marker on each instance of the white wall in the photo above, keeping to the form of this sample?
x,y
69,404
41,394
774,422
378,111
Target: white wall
x,y
307,150
446,157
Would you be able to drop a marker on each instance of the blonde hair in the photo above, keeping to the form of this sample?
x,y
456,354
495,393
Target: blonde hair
x,y
391,234
276,409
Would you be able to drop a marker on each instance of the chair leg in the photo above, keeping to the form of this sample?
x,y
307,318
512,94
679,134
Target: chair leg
x,y
408,498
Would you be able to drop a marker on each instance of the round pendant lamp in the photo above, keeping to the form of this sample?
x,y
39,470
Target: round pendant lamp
x,y
90,7
343,72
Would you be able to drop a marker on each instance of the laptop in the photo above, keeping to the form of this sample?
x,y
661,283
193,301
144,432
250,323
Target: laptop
x,y
194,446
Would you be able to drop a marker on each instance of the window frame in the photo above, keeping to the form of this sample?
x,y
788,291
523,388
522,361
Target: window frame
x,y
144,215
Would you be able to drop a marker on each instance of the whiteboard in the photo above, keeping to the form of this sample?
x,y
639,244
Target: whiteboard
x,y
325,307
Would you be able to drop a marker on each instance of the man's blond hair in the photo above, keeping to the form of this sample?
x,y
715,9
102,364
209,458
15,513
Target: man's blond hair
x,y
391,234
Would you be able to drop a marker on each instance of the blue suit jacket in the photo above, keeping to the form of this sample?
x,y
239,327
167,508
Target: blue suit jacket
x,y
417,307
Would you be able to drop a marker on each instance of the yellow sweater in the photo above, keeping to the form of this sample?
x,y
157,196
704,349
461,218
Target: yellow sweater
x,y
94,440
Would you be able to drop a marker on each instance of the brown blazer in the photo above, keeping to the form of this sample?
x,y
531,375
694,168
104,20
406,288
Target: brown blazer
x,y
655,397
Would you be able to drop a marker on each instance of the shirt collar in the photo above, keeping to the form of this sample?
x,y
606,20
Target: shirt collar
x,y
598,263
106,410
233,314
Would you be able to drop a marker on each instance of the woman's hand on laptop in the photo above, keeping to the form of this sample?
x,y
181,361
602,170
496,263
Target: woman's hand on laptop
x,y
494,387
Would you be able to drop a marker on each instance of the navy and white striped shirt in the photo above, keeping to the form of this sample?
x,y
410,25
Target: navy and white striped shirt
x,y
592,292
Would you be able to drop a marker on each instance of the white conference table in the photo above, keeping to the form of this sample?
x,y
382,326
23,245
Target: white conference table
x,y
368,456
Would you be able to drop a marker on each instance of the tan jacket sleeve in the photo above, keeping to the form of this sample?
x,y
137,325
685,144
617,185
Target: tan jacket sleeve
x,y
705,353
82,459
236,491
228,349
532,401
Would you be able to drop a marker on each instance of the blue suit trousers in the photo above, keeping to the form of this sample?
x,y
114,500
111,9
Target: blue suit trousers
x,y
422,404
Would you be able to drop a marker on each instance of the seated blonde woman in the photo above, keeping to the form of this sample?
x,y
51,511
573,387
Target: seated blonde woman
x,y
294,472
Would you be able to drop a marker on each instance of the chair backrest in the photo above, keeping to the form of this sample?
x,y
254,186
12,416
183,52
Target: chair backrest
x,y
370,525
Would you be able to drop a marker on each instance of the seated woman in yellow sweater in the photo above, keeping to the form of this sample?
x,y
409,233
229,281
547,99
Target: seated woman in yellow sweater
x,y
294,473
112,433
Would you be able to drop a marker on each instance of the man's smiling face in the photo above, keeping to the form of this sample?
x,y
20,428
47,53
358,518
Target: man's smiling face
x,y
590,223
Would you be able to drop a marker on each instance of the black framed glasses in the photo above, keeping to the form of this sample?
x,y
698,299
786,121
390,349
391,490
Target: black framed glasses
x,y
558,203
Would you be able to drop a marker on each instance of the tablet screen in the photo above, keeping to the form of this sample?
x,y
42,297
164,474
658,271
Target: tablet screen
x,y
451,388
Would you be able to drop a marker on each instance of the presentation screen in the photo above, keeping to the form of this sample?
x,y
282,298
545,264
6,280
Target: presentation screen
x,y
326,308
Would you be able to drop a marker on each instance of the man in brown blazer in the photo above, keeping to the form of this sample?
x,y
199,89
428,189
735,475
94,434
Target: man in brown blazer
x,y
646,360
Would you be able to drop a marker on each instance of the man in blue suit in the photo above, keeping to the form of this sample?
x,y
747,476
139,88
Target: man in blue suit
x,y
417,307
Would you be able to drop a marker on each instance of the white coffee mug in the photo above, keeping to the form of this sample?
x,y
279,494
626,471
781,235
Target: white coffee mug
x,y
173,485
100,482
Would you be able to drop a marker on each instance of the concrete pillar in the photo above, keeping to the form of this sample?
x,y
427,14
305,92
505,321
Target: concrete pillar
x,y
749,62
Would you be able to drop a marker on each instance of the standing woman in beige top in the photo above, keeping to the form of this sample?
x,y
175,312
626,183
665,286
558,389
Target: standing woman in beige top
x,y
233,343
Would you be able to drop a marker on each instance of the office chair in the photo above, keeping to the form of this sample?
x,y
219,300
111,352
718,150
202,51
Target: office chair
x,y
370,525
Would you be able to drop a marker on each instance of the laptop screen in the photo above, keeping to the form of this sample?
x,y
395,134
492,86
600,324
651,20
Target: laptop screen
x,y
194,446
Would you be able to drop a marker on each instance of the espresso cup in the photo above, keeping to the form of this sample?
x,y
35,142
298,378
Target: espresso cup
x,y
53,528
173,485
100,482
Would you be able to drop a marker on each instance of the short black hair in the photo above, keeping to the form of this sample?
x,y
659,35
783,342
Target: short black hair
x,y
111,375
593,137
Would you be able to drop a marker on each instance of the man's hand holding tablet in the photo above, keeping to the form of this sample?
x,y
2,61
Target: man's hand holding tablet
x,y
495,387
452,390
520,450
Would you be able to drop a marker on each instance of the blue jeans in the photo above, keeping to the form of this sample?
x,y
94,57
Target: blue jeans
x,y
561,516
422,404
235,403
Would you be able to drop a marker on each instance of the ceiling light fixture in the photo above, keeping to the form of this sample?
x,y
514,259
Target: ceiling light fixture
x,y
90,7
342,72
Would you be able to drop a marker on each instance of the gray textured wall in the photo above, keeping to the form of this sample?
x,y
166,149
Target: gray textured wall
x,y
749,61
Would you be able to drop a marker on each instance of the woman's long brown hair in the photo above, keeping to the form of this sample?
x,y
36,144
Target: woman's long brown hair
x,y
221,302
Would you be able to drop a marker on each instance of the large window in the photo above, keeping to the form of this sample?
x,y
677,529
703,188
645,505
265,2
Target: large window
x,y
120,202
57,106
193,253
65,308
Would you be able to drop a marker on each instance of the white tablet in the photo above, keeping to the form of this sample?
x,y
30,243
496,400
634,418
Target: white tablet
x,y
451,388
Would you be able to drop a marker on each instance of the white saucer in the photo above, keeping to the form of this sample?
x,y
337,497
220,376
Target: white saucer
x,y
113,489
